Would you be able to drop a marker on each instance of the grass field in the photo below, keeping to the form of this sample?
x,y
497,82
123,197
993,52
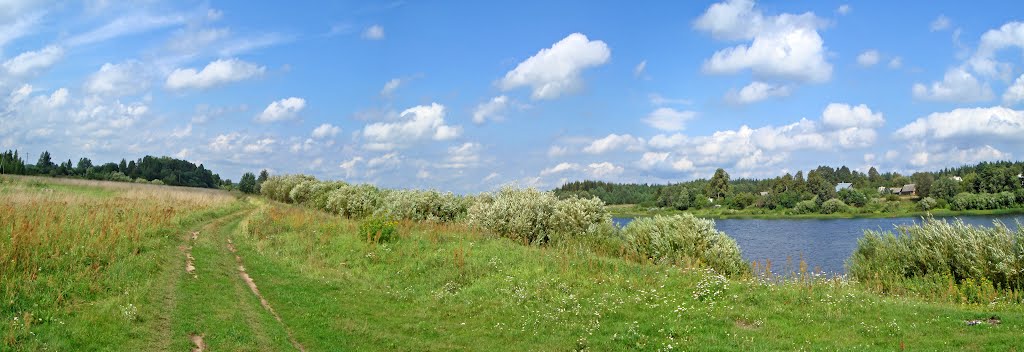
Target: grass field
x,y
106,266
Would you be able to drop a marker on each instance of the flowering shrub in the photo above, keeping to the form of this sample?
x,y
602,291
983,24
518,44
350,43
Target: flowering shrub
x,y
354,201
806,207
926,204
302,192
530,215
685,238
965,201
423,205
279,188
937,247
833,205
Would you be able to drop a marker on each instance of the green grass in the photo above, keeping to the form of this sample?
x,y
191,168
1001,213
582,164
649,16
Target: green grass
x,y
437,287
905,210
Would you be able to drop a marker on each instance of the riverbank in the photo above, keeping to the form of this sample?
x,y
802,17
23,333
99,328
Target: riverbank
x,y
634,211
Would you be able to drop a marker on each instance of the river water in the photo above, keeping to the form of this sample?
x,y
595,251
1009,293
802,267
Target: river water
x,y
824,244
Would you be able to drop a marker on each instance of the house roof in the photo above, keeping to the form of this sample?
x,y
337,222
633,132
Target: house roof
x,y
910,187
843,185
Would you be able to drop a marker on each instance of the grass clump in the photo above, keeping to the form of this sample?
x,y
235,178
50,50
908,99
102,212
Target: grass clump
x,y
378,229
955,255
687,239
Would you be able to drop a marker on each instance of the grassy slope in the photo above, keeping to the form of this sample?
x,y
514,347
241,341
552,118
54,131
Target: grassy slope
x,y
444,288
450,288
630,211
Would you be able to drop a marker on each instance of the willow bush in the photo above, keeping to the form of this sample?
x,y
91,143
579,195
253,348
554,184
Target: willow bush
x,y
685,238
937,248
532,216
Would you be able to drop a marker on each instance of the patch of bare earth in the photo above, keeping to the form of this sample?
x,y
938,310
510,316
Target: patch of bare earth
x,y
263,301
197,341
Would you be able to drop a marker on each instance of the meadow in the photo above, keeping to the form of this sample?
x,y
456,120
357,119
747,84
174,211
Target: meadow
x,y
89,265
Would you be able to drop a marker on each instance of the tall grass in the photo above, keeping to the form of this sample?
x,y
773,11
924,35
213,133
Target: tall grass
x,y
944,255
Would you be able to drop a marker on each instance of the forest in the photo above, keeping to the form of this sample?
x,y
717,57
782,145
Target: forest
x,y
159,170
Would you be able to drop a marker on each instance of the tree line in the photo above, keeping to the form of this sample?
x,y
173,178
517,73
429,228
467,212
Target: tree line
x,y
818,185
161,170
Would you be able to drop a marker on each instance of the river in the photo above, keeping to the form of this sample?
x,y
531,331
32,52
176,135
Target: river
x,y
824,244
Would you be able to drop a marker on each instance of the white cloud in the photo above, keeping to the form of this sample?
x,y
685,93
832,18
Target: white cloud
x,y
31,61
491,110
374,32
666,142
418,123
868,58
224,142
844,116
561,167
757,91
326,130
984,60
668,119
1015,93
262,145
246,44
614,142
491,176
386,161
967,122
658,100
957,85
284,109
844,9
215,73
127,25
349,166
957,156
556,70
638,71
126,78
463,155
786,46
182,132
940,23
557,151
896,62
604,169
19,25
390,86
649,160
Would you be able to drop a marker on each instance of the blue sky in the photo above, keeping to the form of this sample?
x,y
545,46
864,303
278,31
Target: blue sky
x,y
471,96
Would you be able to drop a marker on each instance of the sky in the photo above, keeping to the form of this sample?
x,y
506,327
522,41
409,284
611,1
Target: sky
x,y
470,96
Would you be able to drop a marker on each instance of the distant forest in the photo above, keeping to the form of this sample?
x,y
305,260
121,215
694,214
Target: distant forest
x,y
819,184
149,169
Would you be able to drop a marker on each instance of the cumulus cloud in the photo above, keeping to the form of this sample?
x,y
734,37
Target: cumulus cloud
x,y
604,169
668,119
126,78
998,122
215,73
786,46
662,141
940,23
844,9
464,155
284,109
386,161
31,61
555,71
349,166
326,130
844,116
757,91
491,110
665,161
957,85
1015,93
374,32
561,167
415,124
868,58
557,151
262,145
1009,35
614,142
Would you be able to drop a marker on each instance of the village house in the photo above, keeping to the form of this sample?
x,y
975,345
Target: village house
x,y
909,189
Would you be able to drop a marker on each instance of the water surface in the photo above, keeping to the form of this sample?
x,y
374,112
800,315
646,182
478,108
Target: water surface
x,y
824,244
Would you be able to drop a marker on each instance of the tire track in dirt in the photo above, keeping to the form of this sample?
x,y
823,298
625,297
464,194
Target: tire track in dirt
x,y
263,301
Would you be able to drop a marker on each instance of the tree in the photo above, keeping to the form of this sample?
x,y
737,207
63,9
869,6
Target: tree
x,y
719,186
84,164
264,175
923,183
945,188
45,163
123,167
873,177
248,183
820,187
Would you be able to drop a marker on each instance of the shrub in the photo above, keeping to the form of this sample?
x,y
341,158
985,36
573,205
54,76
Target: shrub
x,y
574,216
119,177
519,214
302,192
853,197
806,207
685,238
279,188
832,206
937,247
926,204
321,190
157,182
354,202
378,230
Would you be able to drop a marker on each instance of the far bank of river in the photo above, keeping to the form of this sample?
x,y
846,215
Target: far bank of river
x,y
633,211
824,244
